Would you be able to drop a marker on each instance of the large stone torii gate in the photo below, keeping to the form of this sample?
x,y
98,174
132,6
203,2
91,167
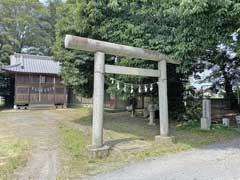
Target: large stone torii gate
x,y
100,48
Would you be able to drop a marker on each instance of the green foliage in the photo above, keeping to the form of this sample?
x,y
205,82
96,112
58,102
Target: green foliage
x,y
204,25
7,89
126,22
129,133
193,112
13,153
186,30
6,49
74,141
26,26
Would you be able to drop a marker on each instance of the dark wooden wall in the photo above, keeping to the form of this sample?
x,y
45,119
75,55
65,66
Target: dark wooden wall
x,y
39,89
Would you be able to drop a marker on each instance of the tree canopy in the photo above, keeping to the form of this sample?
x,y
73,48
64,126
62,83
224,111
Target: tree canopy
x,y
138,23
187,30
26,26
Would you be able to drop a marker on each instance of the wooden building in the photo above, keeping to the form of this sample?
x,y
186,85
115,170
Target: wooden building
x,y
37,81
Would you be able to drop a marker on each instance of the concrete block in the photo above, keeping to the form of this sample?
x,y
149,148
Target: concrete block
x,y
165,139
145,113
238,120
97,152
151,115
226,122
206,114
205,124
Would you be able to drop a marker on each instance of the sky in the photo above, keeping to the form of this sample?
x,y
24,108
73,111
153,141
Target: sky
x,y
45,1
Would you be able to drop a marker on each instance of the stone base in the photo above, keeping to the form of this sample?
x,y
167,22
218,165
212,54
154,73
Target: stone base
x,y
100,152
151,124
205,124
165,139
226,122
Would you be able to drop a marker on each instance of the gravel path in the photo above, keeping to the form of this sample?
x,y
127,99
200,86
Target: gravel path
x,y
214,162
41,128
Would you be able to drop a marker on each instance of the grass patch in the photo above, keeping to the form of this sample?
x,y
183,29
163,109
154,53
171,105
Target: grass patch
x,y
74,141
120,130
73,144
194,137
12,154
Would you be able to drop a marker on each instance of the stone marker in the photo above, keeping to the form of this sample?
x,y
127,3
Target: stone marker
x,y
206,114
226,122
151,114
238,120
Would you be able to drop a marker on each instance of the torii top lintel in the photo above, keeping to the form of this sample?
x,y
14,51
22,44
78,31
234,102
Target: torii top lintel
x,y
92,45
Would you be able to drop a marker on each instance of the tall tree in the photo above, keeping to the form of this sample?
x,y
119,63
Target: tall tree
x,y
138,23
206,26
21,24
26,26
147,24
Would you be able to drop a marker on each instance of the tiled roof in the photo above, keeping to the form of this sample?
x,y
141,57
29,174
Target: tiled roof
x,y
26,63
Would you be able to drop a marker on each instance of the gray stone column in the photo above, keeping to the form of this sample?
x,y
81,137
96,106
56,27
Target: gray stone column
x,y
151,114
206,114
163,99
98,100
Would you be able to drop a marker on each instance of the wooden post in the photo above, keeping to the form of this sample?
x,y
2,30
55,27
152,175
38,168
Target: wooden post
x,y
15,92
39,87
29,89
54,90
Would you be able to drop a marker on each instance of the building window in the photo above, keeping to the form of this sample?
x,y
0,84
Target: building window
x,y
42,79
22,90
59,90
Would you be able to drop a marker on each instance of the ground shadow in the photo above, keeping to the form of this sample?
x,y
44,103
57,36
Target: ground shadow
x,y
124,123
113,143
138,126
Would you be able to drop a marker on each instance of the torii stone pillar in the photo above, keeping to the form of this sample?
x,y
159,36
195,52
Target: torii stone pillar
x,y
163,105
163,99
100,48
98,100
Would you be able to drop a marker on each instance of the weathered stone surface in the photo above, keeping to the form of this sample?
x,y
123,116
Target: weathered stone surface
x,y
98,99
165,139
163,99
92,45
97,152
101,48
151,118
238,119
206,115
226,122
205,125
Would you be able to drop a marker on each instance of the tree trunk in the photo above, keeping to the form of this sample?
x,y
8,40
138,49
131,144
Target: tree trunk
x,y
229,94
133,106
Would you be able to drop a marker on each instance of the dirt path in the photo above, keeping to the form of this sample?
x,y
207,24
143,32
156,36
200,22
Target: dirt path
x,y
214,162
41,128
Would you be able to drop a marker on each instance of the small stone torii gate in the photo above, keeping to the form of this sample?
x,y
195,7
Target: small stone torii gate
x,y
100,48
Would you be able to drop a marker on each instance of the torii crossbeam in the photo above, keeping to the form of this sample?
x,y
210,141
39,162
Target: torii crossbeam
x,y
100,48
